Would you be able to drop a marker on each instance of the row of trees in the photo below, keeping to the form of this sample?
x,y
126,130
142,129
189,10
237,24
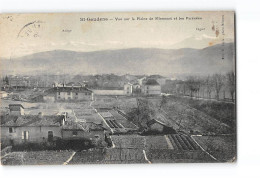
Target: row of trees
x,y
195,85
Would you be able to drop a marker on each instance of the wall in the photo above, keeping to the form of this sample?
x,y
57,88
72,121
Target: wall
x,y
152,90
109,92
67,134
16,112
73,96
36,134
49,98
128,89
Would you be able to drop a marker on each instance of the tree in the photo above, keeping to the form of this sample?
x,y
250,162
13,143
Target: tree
x,y
209,85
231,83
218,81
163,101
193,85
6,80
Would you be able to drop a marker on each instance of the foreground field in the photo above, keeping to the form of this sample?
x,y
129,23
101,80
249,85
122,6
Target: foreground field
x,y
190,119
36,158
209,126
222,147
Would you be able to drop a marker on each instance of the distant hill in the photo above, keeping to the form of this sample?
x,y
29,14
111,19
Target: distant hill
x,y
136,61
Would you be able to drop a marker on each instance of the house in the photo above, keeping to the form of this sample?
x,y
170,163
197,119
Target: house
x,y
30,128
68,93
128,89
16,109
90,131
18,82
151,87
23,129
70,84
72,94
160,79
136,88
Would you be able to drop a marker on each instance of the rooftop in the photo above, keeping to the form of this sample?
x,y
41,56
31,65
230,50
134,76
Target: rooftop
x,y
16,105
68,89
83,126
152,82
31,121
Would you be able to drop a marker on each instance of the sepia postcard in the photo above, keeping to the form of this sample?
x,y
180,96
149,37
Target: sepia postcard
x,y
118,88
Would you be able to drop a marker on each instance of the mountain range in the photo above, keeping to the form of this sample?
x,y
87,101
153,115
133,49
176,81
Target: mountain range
x,y
168,62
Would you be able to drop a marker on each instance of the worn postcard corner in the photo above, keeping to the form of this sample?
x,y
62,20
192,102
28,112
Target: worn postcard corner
x,y
118,87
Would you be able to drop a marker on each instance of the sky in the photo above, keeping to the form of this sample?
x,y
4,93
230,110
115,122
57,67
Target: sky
x,y
24,34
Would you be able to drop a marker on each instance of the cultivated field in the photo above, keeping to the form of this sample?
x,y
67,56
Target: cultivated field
x,y
125,116
36,158
222,147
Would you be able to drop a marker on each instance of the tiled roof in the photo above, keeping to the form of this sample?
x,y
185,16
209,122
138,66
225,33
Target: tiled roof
x,y
153,121
152,82
31,120
68,89
83,126
16,105
74,84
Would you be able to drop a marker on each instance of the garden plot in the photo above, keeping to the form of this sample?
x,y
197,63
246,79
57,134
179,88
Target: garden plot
x,y
182,142
156,142
105,114
128,141
122,120
36,158
113,123
189,119
222,147
107,102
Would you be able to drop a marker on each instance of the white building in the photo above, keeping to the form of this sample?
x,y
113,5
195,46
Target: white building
x,y
151,87
128,89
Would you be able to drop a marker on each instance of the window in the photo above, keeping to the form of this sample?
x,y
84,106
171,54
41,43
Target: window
x,y
25,135
59,93
69,98
50,136
74,133
76,93
68,93
86,93
11,130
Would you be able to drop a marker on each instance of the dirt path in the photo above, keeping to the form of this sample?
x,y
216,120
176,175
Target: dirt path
x,y
69,159
90,105
204,149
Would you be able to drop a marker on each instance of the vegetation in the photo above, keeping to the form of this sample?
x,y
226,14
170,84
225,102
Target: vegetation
x,y
205,87
223,112
223,148
142,114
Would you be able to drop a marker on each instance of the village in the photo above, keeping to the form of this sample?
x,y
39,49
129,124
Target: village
x,y
125,119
